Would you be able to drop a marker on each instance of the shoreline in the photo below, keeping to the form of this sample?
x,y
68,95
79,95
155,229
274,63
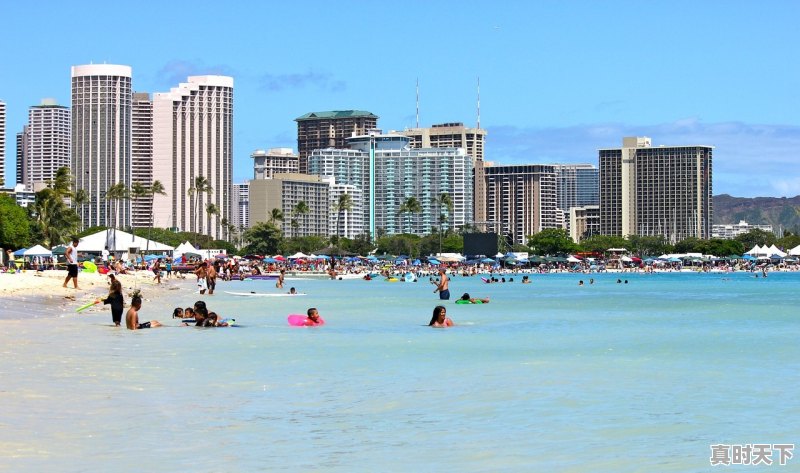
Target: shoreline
x,y
40,294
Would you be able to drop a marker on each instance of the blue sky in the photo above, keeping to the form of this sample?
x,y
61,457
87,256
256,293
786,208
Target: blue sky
x,y
558,79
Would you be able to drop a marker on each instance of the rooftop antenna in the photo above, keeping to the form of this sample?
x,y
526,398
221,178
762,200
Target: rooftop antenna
x,y
417,102
479,102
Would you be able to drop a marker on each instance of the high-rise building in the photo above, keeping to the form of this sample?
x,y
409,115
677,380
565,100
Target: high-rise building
x,y
520,200
584,222
320,130
141,156
240,214
388,172
345,223
47,144
22,149
275,160
456,135
664,190
193,144
577,185
101,140
284,192
3,144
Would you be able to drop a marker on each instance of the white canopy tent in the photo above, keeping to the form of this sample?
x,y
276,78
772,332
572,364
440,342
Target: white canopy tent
x,y
298,255
774,250
37,250
185,247
119,242
795,251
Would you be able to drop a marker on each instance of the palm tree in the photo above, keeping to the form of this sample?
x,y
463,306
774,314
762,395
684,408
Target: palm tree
x,y
62,182
155,188
138,192
276,216
344,204
445,204
211,210
226,229
301,208
199,186
410,206
114,195
54,219
80,199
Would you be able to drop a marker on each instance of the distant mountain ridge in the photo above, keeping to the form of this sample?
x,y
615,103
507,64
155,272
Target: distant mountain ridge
x,y
776,211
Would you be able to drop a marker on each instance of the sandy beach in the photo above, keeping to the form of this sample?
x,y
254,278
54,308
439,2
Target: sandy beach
x,y
41,293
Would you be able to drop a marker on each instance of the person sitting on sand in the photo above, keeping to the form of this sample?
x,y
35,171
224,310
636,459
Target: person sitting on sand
x,y
440,318
474,300
132,317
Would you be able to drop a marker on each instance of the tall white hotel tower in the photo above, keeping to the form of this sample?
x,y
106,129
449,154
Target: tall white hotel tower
x,y
193,137
101,139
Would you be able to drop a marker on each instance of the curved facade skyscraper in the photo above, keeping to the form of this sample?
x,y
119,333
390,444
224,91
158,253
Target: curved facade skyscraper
x,y
101,140
193,138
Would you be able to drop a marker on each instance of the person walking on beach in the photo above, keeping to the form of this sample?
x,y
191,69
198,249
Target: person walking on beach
x,y
157,271
443,287
72,263
211,278
279,284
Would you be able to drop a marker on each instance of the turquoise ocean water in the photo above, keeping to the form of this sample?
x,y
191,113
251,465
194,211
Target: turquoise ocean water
x,y
547,377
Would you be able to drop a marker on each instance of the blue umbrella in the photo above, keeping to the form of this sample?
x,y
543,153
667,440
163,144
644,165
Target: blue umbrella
x,y
487,260
416,262
746,257
433,261
323,257
269,260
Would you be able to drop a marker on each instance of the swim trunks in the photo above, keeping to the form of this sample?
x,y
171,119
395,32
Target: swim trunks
x,y
444,295
143,325
72,270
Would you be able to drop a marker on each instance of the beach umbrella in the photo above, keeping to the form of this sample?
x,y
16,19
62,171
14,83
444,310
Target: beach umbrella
x,y
416,262
323,257
269,260
487,260
434,261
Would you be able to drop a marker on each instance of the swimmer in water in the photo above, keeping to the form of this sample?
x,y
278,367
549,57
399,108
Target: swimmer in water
x,y
313,317
440,318
474,300
132,317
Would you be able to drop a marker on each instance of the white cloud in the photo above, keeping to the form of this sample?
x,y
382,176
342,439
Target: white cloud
x,y
749,160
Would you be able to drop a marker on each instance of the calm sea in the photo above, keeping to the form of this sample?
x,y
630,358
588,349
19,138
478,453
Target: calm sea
x,y
549,377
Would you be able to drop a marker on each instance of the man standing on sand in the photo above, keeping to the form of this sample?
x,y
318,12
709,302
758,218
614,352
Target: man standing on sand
x,y
72,263
442,287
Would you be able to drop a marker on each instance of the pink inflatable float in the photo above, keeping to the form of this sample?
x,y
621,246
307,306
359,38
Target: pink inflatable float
x,y
297,320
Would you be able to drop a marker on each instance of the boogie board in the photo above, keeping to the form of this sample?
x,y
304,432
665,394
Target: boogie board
x,y
262,294
462,301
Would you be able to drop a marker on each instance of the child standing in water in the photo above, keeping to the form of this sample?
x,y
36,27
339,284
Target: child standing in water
x,y
116,300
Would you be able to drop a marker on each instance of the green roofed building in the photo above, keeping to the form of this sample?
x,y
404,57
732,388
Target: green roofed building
x,y
320,130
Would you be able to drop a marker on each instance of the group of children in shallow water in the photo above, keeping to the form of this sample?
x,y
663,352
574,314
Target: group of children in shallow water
x,y
199,316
